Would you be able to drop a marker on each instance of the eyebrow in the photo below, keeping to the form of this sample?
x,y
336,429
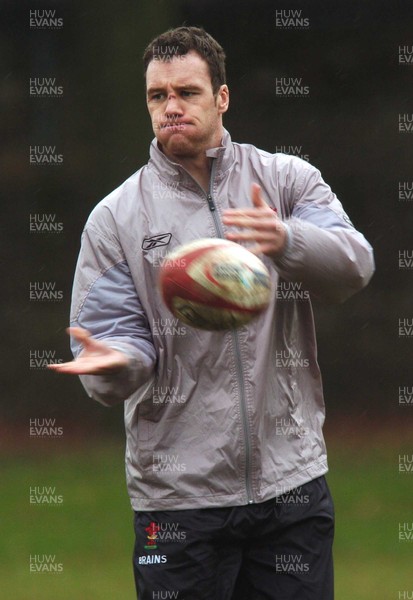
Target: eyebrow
x,y
158,88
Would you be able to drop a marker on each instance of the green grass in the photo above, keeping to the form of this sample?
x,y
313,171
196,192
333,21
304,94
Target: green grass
x,y
371,499
91,532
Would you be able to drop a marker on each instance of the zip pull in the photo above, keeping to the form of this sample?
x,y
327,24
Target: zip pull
x,y
211,204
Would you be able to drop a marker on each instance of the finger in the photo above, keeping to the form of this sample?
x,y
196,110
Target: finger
x,y
250,236
73,369
261,249
66,367
85,338
247,212
260,223
257,198
92,365
78,333
76,368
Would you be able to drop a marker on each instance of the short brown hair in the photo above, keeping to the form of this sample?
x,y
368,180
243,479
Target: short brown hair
x,y
180,41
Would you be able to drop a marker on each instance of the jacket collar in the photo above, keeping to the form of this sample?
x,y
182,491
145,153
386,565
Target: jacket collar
x,y
169,170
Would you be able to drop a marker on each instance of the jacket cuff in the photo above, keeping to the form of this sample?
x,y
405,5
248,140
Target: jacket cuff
x,y
118,386
288,242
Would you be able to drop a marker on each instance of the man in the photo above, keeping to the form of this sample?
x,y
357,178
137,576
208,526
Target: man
x,y
225,454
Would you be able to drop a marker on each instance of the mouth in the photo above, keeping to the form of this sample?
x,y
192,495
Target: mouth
x,y
174,126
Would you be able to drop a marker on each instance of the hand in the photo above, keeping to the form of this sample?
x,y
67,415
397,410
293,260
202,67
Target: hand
x,y
96,357
260,224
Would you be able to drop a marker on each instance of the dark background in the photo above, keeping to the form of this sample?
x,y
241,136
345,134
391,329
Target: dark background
x,y
348,127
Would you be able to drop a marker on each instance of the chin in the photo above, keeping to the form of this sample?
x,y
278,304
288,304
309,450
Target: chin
x,y
179,145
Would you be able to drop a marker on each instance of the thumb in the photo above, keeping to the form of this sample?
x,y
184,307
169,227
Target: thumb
x,y
81,335
256,195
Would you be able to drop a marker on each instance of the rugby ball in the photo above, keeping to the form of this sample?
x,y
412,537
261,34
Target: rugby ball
x,y
214,284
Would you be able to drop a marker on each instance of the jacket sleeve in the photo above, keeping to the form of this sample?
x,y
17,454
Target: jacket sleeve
x,y
324,251
106,303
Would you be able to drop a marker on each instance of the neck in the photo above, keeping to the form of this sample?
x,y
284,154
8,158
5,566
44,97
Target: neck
x,y
198,165
199,168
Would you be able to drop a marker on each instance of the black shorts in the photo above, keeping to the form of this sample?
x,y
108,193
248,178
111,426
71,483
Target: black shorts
x,y
280,549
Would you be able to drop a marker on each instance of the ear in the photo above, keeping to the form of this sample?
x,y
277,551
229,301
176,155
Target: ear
x,y
223,99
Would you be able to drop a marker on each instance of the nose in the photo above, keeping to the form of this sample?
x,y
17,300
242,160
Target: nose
x,y
173,106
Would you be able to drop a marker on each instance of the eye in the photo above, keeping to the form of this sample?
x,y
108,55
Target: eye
x,y
187,94
156,97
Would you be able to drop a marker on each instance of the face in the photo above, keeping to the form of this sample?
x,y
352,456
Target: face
x,y
186,116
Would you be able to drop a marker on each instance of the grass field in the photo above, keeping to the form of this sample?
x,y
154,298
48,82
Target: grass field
x,y
89,535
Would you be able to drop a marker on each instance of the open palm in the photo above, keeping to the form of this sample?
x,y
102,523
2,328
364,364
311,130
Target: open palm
x,y
96,358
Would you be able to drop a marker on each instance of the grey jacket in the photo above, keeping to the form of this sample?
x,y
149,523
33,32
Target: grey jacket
x,y
215,418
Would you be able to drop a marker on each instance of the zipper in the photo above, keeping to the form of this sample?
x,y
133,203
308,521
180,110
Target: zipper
x,y
235,339
245,424
238,361
211,204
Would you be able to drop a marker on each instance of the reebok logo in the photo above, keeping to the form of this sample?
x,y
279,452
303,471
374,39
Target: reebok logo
x,y
155,241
